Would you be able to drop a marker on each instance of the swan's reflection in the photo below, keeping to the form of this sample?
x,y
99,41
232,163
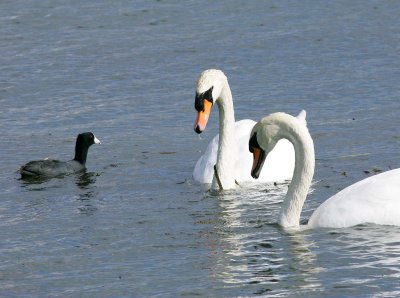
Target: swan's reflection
x,y
250,253
247,248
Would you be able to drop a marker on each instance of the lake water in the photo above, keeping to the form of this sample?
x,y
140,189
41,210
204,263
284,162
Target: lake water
x,y
136,224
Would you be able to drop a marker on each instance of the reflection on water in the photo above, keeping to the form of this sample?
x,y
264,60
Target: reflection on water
x,y
302,262
358,260
115,234
32,180
262,254
85,181
40,183
248,251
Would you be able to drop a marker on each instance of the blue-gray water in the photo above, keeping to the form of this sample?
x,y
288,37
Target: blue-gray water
x,y
136,225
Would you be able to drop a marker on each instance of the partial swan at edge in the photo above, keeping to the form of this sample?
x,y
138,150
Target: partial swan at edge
x,y
375,199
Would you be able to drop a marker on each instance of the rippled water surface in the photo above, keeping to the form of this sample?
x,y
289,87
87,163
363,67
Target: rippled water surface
x,y
136,224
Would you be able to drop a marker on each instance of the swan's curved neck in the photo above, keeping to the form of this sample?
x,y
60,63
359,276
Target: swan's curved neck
x,y
302,176
226,154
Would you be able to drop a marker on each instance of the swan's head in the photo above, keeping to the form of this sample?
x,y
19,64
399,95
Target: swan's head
x,y
263,138
208,91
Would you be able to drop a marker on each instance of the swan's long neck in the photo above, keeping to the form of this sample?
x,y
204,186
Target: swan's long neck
x,y
302,176
226,154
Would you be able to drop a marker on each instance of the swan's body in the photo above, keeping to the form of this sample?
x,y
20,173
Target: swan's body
x,y
373,200
228,150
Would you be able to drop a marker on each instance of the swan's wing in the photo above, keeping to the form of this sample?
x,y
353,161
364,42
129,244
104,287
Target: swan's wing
x,y
278,165
204,170
375,199
243,157
302,117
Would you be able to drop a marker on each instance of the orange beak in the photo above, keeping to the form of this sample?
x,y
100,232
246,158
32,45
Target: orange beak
x,y
202,117
258,162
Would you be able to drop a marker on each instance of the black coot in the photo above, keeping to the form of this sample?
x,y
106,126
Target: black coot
x,y
53,168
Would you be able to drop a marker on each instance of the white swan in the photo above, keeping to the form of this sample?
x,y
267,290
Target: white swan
x,y
228,151
373,200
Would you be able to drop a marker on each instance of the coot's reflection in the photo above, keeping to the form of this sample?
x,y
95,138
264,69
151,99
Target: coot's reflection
x,y
86,182
31,180
86,179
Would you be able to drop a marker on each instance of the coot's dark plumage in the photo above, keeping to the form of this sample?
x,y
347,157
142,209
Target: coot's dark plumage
x,y
53,168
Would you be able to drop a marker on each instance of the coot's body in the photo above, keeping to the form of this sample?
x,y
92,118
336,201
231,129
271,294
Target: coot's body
x,y
54,168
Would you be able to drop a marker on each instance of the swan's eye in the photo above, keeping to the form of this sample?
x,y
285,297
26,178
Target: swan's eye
x,y
199,102
208,95
200,97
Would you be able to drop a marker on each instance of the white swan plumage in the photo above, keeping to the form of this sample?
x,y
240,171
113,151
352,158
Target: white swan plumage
x,y
228,150
375,199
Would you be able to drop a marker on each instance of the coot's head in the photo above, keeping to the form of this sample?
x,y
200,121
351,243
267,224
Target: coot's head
x,y
87,138
83,142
